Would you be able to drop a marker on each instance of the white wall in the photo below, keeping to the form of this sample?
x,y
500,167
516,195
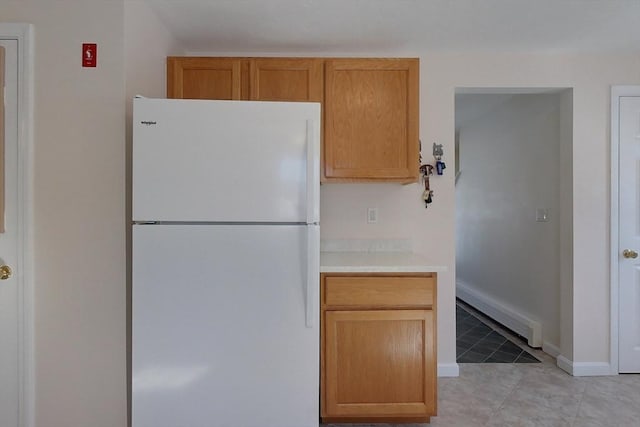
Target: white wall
x,y
510,166
566,223
79,212
147,42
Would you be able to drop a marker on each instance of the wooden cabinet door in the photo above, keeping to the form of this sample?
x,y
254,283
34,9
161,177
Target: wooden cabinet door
x,y
371,120
379,363
207,78
282,79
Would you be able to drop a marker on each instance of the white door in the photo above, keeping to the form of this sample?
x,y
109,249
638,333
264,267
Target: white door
x,y
9,295
629,238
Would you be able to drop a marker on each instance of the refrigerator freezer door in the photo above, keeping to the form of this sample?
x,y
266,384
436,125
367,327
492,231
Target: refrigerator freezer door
x,y
225,161
219,327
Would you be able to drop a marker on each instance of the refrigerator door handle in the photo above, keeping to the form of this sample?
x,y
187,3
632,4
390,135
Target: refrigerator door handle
x,y
313,173
313,274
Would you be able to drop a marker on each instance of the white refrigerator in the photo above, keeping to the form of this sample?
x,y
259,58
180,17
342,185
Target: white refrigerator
x,y
225,324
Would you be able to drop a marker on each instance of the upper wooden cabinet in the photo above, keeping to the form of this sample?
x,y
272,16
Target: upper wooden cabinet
x,y
207,78
370,106
275,79
258,79
371,120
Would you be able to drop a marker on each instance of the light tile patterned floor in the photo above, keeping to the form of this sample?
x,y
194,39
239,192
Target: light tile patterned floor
x,y
533,395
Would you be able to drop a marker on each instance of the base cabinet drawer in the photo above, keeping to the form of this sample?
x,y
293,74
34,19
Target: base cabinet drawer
x,y
378,365
367,291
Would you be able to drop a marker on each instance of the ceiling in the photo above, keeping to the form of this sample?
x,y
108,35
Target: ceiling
x,y
403,26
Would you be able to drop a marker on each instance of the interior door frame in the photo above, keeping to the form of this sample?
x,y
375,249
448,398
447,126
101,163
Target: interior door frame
x,y
23,34
617,92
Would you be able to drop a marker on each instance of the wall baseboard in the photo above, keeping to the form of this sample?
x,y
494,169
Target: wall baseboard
x,y
550,349
448,370
584,369
528,328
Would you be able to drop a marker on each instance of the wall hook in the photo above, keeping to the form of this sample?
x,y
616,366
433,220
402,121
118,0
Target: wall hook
x,y
438,152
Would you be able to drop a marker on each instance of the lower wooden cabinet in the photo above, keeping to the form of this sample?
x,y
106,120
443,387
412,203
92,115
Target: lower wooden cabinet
x,y
378,349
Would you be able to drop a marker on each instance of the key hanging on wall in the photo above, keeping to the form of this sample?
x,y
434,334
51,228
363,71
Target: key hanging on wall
x,y
427,194
426,170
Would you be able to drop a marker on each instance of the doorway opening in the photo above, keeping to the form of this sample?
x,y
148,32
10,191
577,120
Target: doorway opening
x,y
514,214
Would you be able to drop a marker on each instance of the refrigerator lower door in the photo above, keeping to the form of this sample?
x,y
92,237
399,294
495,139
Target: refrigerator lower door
x,y
220,329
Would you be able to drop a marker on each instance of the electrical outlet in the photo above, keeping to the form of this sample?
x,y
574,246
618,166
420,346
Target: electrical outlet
x,y
372,215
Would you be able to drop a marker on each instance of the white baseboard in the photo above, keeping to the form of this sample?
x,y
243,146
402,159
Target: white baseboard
x,y
550,349
528,328
448,370
584,369
565,364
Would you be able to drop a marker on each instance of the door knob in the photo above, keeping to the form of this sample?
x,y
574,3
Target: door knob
x,y
627,253
5,272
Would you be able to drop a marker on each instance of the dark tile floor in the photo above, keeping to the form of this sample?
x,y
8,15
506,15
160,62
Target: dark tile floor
x,y
476,342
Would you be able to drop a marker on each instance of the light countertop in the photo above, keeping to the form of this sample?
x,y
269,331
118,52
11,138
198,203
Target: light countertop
x,y
376,262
